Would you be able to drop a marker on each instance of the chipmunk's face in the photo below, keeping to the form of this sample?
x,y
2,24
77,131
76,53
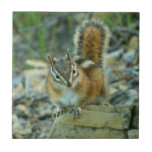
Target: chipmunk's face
x,y
64,71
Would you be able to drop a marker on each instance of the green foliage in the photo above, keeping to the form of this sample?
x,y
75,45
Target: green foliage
x,y
40,38
119,18
108,20
23,20
129,21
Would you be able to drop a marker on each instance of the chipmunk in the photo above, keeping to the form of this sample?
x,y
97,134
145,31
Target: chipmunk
x,y
76,81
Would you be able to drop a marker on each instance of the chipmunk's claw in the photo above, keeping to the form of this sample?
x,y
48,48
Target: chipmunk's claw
x,y
75,112
57,111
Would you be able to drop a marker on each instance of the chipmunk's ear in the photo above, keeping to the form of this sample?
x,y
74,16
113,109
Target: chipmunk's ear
x,y
52,60
69,57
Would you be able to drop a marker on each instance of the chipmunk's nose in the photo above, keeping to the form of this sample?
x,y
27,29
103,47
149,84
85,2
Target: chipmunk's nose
x,y
69,84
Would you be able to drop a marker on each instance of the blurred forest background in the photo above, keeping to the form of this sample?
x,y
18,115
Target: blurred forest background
x,y
36,34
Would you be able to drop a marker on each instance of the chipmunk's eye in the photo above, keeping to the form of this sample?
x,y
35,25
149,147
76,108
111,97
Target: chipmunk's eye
x,y
74,71
57,76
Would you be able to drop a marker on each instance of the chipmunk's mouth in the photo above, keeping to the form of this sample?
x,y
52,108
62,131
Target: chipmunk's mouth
x,y
69,84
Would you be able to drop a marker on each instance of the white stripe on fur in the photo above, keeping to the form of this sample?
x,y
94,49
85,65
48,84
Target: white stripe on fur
x,y
87,63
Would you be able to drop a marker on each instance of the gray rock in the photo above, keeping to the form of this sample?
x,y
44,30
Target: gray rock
x,y
17,80
96,121
116,53
76,132
133,134
129,57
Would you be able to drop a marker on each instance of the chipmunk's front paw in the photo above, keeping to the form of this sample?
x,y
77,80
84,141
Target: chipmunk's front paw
x,y
75,112
57,111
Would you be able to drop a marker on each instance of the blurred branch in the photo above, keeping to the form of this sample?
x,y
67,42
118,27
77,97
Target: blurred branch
x,y
115,47
49,22
116,80
133,71
126,29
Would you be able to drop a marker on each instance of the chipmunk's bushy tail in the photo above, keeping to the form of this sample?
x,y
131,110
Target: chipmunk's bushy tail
x,y
91,40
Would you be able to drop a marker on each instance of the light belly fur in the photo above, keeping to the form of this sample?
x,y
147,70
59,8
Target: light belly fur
x,y
69,98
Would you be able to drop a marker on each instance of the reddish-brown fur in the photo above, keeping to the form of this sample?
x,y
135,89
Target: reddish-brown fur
x,y
91,44
91,84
